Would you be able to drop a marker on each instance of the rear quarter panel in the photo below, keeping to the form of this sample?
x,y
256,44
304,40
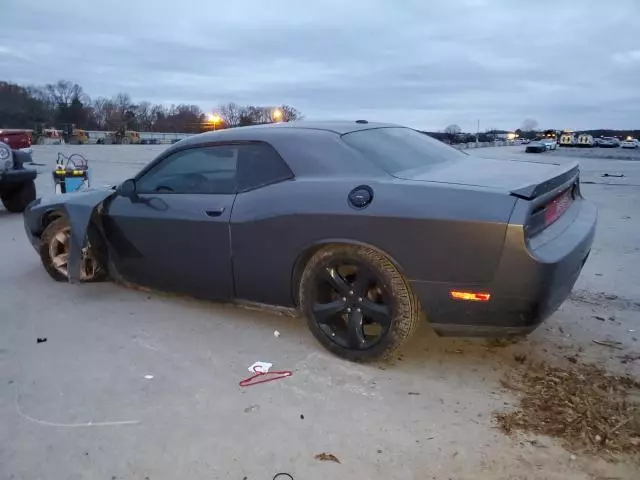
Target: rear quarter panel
x,y
432,232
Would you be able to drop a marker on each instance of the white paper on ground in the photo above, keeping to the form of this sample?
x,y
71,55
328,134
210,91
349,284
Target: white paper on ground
x,y
260,367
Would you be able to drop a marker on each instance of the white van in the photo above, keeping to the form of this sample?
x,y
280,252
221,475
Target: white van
x,y
567,140
586,141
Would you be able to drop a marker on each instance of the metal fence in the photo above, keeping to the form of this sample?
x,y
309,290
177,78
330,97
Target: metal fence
x,y
497,143
145,137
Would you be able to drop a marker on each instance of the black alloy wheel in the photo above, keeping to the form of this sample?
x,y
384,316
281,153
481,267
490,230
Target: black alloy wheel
x,y
357,303
351,306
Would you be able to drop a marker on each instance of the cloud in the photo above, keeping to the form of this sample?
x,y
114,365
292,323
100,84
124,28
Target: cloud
x,y
426,64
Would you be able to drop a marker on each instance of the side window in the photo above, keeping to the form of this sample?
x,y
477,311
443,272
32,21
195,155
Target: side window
x,y
204,170
258,165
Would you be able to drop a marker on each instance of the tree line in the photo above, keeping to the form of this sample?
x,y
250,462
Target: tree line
x,y
65,102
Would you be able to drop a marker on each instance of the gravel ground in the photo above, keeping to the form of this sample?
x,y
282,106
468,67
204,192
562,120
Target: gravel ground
x,y
81,405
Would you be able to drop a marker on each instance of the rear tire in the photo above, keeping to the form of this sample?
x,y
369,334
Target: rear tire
x,y
54,250
386,291
16,198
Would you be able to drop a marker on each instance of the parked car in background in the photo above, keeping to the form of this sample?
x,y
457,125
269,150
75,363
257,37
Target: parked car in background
x,y
609,142
550,143
585,141
358,225
16,139
536,147
17,187
630,143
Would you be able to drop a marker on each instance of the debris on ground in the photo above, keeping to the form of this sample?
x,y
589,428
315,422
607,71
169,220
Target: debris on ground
x,y
614,175
629,357
148,377
262,374
501,342
598,317
260,367
587,409
519,357
572,358
609,343
327,457
276,333
41,339
413,393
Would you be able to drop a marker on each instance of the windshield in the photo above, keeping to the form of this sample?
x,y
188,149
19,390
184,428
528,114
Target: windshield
x,y
396,149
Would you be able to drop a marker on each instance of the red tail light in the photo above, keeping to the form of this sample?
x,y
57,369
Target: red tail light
x,y
546,214
554,209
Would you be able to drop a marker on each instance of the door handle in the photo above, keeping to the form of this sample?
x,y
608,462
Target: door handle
x,y
214,212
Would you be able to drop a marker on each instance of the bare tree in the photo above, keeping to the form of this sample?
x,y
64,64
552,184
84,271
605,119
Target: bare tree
x,y
289,113
64,92
230,113
144,115
112,116
99,112
452,132
529,125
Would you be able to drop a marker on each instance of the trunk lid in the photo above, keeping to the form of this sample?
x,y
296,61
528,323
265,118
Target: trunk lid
x,y
521,178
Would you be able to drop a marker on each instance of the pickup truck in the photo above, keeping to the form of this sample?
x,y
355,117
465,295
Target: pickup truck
x,y
17,186
17,139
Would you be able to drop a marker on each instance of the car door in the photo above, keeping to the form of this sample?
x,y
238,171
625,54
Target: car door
x,y
260,225
173,233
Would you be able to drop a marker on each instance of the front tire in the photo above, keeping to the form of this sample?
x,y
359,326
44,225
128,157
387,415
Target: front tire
x,y
54,253
358,305
15,199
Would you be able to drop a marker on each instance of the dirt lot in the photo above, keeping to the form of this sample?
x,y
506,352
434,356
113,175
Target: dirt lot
x,y
136,385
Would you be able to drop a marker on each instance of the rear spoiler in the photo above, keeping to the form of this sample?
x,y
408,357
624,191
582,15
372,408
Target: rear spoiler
x,y
529,192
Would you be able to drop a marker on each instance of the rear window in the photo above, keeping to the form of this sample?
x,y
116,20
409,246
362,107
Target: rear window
x,y
397,149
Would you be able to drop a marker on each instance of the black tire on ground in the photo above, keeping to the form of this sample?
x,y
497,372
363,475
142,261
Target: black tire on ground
x,y
404,305
96,247
15,198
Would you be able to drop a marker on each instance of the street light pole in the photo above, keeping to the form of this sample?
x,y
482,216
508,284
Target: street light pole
x,y
477,132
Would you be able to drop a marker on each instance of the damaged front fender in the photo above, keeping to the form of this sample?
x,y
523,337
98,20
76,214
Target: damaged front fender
x,y
79,207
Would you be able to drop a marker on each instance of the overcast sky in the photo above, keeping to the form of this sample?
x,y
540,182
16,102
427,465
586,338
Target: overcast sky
x,y
423,63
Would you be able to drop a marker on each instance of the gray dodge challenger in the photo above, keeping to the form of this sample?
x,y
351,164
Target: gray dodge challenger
x,y
363,227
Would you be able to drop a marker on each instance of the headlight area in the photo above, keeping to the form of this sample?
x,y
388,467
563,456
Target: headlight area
x,y
5,154
6,159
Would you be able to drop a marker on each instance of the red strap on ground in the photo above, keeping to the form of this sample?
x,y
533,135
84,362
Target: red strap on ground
x,y
260,377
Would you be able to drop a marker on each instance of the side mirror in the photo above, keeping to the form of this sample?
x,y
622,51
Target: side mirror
x,y
128,188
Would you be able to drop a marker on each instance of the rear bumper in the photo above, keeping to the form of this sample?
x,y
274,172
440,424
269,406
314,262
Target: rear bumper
x,y
532,280
9,177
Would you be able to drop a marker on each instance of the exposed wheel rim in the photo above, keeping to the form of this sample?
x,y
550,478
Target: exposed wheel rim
x,y
59,247
351,305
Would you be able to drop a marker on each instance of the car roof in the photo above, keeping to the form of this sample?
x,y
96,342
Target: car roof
x,y
309,148
339,127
